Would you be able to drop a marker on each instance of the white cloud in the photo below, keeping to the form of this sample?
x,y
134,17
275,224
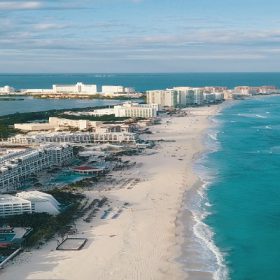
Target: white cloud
x,y
17,5
48,26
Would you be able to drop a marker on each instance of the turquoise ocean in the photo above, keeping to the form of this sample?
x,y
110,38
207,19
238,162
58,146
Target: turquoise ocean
x,y
235,233
237,209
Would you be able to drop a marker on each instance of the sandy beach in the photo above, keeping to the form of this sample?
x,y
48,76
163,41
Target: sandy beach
x,y
144,241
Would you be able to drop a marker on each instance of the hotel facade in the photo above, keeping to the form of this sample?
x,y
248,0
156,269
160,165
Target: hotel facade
x,y
185,96
18,166
164,98
11,205
135,110
78,88
78,138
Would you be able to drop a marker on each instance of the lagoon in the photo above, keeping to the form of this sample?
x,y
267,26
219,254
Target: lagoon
x,y
30,104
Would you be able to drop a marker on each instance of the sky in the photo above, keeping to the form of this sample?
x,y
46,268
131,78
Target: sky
x,y
111,36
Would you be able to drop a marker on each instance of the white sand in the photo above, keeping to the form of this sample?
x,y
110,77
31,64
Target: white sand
x,y
143,242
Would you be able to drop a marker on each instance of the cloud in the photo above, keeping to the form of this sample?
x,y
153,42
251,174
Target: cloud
x,y
49,26
121,31
19,5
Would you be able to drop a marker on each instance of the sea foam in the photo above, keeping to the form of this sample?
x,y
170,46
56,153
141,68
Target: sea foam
x,y
209,258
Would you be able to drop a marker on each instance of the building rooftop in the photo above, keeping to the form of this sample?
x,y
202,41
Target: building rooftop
x,y
6,198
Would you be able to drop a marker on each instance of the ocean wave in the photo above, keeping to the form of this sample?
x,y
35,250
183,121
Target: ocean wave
x,y
200,207
274,150
211,141
213,135
251,115
261,116
205,234
210,258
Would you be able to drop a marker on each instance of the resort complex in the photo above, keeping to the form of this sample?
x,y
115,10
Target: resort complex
x,y
28,202
176,96
64,171
82,89
15,166
73,138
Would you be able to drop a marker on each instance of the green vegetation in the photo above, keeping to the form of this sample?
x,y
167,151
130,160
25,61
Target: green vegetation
x,y
105,118
84,183
93,96
46,226
7,121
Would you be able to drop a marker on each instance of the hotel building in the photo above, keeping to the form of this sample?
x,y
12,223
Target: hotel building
x,y
246,90
185,96
27,203
6,90
18,166
58,124
41,202
164,98
11,205
78,88
135,110
111,90
78,138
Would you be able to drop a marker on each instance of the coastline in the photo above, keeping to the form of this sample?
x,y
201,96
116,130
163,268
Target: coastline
x,y
145,241
206,261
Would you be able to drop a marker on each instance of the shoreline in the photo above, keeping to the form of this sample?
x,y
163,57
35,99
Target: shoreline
x,y
207,262
145,241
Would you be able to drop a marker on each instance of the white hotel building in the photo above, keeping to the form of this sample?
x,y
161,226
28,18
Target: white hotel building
x,y
27,203
185,96
78,88
58,124
111,90
41,202
11,205
135,110
6,90
18,166
78,137
164,98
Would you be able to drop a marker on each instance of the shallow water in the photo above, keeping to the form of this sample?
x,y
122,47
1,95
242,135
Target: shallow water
x,y
243,190
29,104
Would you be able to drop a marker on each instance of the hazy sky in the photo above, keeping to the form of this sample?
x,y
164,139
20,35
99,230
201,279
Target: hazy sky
x,y
139,35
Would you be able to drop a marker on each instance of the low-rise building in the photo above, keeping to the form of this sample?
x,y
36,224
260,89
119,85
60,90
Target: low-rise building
x,y
103,112
247,90
112,89
74,138
58,124
117,90
41,202
78,88
135,110
34,126
11,205
6,90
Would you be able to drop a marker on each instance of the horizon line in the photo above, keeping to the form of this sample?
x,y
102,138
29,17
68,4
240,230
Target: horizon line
x,y
138,73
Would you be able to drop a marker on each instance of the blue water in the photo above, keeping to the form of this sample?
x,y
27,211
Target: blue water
x,y
30,104
244,195
6,237
244,188
142,82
